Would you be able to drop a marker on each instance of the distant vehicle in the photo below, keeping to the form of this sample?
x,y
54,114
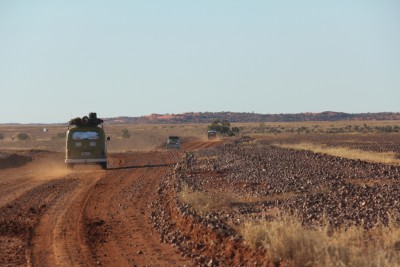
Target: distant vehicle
x,y
211,134
173,142
86,142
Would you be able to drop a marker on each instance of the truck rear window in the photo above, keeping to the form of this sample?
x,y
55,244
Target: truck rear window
x,y
87,135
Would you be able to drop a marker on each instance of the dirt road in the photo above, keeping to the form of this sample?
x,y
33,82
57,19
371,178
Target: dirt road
x,y
50,216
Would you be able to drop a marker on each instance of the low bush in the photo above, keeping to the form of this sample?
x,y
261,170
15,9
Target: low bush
x,y
23,136
125,133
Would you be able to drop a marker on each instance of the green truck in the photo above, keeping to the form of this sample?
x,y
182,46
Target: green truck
x,y
86,142
173,142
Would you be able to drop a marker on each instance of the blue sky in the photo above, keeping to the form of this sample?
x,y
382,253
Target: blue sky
x,y
63,59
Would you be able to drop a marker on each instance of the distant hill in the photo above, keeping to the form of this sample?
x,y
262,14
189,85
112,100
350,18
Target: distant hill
x,y
207,117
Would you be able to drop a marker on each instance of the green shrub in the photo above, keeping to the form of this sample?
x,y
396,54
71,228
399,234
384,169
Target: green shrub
x,y
125,133
23,136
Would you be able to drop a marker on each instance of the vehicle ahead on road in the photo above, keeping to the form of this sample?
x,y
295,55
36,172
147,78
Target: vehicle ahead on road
x,y
86,142
173,142
211,134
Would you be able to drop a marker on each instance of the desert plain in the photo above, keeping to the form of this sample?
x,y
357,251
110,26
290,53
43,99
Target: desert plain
x,y
277,194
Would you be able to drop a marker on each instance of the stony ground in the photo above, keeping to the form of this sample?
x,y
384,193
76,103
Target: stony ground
x,y
348,191
262,180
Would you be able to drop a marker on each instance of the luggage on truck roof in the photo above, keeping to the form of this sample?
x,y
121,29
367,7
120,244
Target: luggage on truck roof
x,y
85,121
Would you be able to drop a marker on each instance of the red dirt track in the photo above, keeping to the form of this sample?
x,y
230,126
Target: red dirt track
x,y
50,216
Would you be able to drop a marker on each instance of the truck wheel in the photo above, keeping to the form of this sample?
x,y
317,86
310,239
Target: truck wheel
x,y
103,165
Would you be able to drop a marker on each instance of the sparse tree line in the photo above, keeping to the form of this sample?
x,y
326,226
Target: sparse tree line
x,y
223,127
20,136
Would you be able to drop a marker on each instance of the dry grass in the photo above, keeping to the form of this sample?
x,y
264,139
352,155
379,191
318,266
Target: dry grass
x,y
205,202
142,137
286,239
344,152
283,128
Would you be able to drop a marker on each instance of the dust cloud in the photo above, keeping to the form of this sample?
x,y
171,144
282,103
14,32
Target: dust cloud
x,y
48,169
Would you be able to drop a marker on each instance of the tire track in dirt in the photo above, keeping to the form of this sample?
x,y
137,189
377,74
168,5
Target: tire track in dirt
x,y
19,217
44,167
59,238
117,214
11,191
